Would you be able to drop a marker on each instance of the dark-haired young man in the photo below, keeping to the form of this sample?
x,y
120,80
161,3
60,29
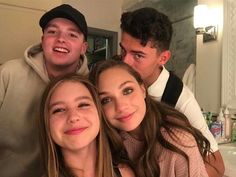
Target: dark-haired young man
x,y
22,82
145,40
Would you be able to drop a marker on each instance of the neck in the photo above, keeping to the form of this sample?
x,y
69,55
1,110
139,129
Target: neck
x,y
58,71
82,162
152,78
137,134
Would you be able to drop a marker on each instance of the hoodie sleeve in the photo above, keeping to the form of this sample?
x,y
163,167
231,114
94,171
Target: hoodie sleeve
x,y
4,78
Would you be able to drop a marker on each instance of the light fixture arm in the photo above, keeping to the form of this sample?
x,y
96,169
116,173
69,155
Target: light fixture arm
x,y
201,23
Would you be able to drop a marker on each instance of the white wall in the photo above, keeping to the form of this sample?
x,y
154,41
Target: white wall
x,y
208,65
128,3
103,14
19,20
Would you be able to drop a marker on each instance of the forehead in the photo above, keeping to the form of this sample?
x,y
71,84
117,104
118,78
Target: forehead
x,y
115,74
116,69
62,22
131,43
127,39
70,88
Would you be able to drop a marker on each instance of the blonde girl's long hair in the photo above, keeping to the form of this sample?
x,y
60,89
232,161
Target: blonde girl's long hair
x,y
51,155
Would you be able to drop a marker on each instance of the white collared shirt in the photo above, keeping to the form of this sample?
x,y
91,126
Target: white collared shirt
x,y
187,104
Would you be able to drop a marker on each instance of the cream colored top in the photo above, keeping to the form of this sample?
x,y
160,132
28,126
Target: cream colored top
x,y
171,163
187,104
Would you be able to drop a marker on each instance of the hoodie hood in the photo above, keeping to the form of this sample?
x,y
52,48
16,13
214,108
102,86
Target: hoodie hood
x,y
34,57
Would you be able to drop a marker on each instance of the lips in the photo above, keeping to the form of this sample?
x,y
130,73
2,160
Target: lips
x,y
75,131
61,49
124,118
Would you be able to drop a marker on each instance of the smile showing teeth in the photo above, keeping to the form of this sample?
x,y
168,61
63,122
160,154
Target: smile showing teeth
x,y
59,49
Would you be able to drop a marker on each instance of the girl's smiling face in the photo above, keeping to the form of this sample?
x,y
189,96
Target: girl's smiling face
x,y
123,99
73,117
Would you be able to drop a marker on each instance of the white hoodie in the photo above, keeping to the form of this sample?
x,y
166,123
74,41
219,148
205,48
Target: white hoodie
x,y
22,82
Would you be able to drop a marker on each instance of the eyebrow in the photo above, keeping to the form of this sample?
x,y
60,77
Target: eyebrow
x,y
121,85
132,51
56,26
76,99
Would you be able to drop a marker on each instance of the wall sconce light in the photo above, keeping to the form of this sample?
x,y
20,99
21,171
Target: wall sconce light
x,y
202,24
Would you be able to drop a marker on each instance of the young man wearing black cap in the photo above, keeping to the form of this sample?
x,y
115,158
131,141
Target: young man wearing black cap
x,y
145,40
22,82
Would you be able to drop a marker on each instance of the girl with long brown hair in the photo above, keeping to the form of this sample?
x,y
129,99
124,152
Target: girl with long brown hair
x,y
159,139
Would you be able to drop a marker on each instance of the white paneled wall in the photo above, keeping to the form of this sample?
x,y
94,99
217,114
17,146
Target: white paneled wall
x,y
229,56
209,64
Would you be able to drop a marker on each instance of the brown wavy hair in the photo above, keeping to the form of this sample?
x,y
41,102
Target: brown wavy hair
x,y
158,116
148,24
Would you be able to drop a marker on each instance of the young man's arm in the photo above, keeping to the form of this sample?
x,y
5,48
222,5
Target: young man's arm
x,y
2,86
217,162
188,105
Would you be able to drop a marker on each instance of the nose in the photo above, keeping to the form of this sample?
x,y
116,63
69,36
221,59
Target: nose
x,y
121,104
73,116
127,59
61,37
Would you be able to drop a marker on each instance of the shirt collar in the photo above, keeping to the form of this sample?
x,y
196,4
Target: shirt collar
x,y
156,90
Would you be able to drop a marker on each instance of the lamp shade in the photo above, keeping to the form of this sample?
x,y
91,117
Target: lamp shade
x,y
200,16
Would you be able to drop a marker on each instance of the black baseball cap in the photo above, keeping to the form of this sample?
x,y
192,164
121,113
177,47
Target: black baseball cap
x,y
68,12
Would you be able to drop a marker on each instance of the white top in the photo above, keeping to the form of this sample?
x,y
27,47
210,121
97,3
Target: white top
x,y
187,104
189,78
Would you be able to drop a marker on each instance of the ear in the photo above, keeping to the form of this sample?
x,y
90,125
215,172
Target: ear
x,y
143,88
164,57
84,48
42,38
